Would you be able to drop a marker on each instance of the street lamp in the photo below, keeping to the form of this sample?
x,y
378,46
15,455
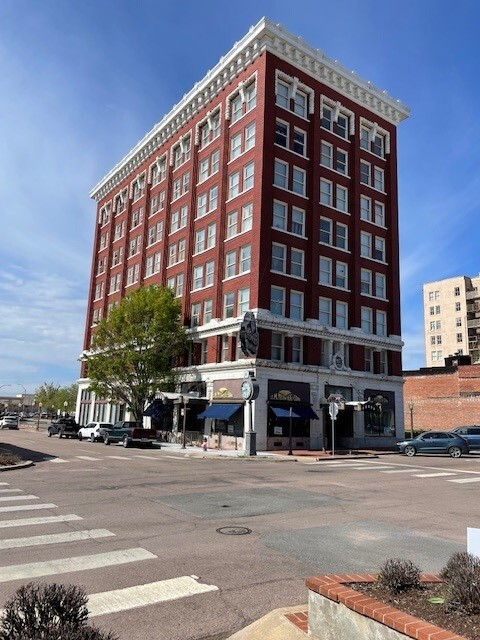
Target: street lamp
x,y
410,406
39,414
183,402
65,405
290,452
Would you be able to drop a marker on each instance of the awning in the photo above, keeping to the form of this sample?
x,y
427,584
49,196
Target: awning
x,y
155,410
297,411
220,411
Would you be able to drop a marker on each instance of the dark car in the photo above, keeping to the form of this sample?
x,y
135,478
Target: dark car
x,y
64,427
434,442
471,435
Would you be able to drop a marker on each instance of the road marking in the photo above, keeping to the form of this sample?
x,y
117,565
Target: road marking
x,y
89,458
118,458
401,471
10,490
338,462
55,538
173,457
149,457
434,475
145,594
78,563
58,460
365,468
4,484
28,507
465,480
6,498
25,522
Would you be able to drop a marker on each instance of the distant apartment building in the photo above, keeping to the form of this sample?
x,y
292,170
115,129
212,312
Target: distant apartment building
x,y
271,187
452,319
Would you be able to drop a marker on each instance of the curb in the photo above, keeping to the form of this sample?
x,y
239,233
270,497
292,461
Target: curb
x,y
21,465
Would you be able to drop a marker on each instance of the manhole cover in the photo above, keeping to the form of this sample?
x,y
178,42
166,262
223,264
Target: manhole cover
x,y
234,531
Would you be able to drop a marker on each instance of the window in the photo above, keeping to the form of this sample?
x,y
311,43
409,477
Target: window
x,y
279,252
458,306
120,202
280,215
299,142
280,178
379,179
365,208
283,95
292,95
325,312
326,192
228,305
367,320
138,187
155,233
437,309
366,282
288,218
335,121
245,259
235,146
176,252
97,315
300,104
208,166
101,265
381,286
381,322
104,240
379,214
210,129
341,275
281,133
365,244
325,271
341,315
117,256
230,264
299,181
379,249
341,162
277,347
152,264
243,301
179,219
296,305
298,221
342,198
296,262
459,337
341,240
115,283
153,205
297,349
248,176
182,151
250,136
369,359
135,246
326,155
207,311
458,322
243,101
99,290
137,217
383,362
207,202
333,158
245,222
277,301
365,170
133,274
195,314
203,275
456,291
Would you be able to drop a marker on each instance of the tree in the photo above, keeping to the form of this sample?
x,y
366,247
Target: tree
x,y
53,395
135,348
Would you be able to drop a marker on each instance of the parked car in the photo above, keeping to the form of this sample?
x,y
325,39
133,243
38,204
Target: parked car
x,y
94,431
64,427
435,442
129,432
9,422
471,435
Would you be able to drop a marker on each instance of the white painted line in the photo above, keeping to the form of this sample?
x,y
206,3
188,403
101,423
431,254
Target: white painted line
x,y
145,594
26,522
10,490
148,457
338,462
55,538
364,468
89,458
58,460
401,471
4,484
28,507
434,475
6,498
465,480
118,458
67,565
174,457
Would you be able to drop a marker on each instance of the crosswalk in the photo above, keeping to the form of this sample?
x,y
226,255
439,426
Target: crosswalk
x,y
459,476
113,601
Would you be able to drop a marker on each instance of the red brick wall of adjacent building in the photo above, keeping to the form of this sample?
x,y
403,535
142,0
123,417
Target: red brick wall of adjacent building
x,y
443,400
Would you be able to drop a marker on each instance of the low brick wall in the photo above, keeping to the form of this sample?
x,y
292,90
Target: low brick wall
x,y
336,611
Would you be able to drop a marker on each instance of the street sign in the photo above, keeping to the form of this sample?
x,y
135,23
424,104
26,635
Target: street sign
x,y
333,410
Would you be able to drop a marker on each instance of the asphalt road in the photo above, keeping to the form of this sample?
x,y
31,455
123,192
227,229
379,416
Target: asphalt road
x,y
139,528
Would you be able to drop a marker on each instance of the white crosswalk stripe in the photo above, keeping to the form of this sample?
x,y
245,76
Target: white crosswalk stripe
x,y
27,522
10,498
27,507
401,471
118,458
145,594
89,458
55,538
58,460
465,480
440,474
10,490
78,563
4,484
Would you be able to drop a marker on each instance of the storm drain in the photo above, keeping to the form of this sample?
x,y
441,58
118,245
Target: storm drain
x,y
234,531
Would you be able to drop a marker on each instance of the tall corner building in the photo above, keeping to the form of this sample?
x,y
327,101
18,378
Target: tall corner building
x,y
270,187
452,319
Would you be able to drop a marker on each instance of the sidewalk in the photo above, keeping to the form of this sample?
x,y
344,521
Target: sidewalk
x,y
281,624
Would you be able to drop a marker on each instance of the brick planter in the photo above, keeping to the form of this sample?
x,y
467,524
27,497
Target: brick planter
x,y
336,611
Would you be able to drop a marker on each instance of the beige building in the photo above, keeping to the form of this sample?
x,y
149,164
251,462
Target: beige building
x,y
452,319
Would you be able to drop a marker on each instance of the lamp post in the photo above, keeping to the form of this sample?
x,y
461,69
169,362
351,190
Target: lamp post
x,y
290,452
410,406
39,414
183,402
65,405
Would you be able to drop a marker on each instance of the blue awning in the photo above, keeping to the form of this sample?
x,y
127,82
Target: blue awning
x,y
297,411
220,411
155,410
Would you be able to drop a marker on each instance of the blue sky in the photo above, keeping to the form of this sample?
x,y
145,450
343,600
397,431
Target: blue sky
x,y
82,82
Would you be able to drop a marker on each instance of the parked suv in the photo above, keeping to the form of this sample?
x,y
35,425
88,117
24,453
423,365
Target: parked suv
x,y
63,427
94,431
471,435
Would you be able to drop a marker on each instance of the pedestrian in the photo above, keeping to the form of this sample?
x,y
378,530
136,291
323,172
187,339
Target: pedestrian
x,y
205,444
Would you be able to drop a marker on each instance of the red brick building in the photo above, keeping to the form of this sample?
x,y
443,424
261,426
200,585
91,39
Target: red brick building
x,y
270,187
443,397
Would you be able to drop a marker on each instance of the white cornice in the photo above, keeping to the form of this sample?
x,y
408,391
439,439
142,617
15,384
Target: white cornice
x,y
264,36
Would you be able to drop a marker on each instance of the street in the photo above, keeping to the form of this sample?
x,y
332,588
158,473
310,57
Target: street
x,y
188,547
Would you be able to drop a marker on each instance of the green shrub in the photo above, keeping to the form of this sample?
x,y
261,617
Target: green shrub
x,y
399,575
462,576
39,611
